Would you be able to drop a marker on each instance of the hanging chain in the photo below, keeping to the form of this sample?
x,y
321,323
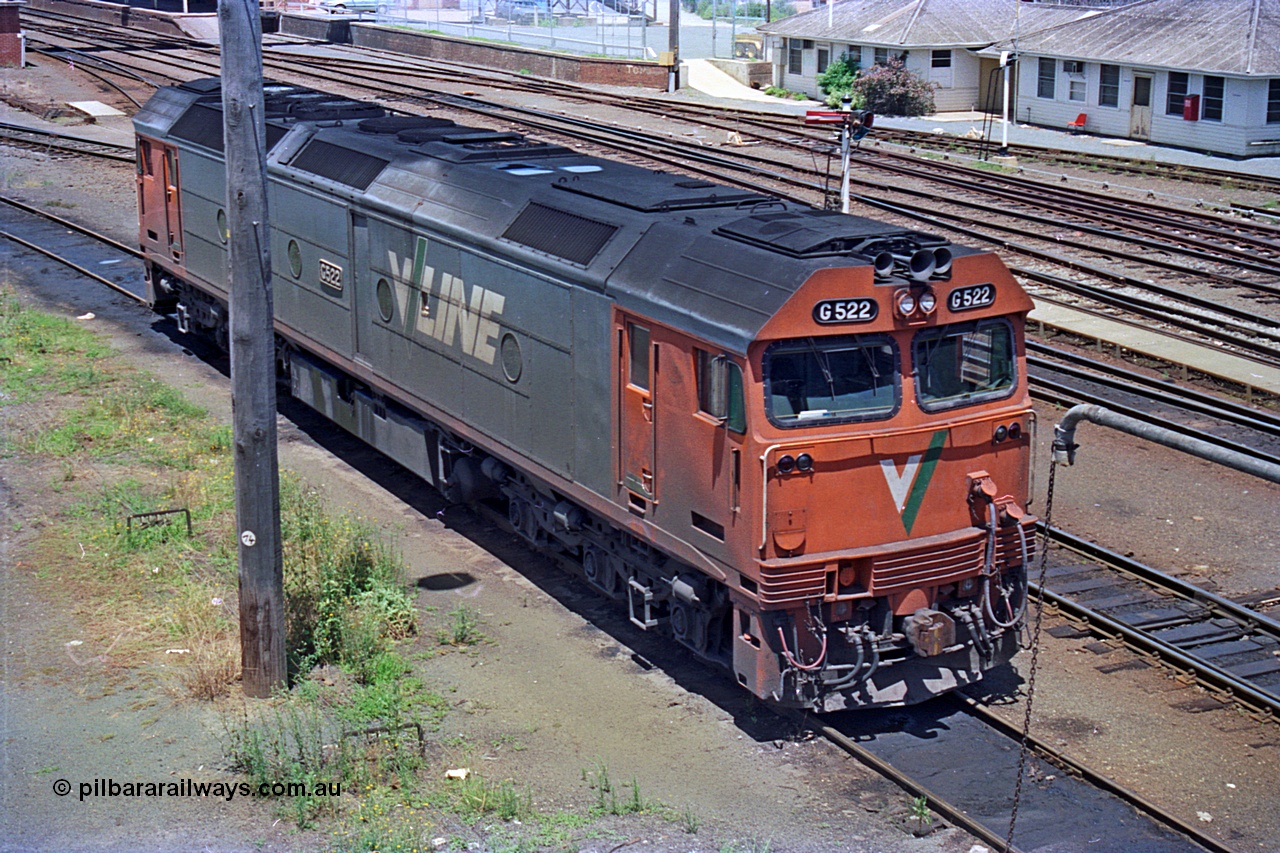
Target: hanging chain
x,y
1023,751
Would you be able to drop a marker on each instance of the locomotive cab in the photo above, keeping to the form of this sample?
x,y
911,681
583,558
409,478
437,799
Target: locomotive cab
x,y
894,430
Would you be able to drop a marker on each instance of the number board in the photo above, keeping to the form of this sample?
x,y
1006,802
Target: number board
x,y
331,275
832,311
969,298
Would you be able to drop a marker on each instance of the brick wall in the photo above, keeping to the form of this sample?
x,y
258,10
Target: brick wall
x,y
541,63
10,50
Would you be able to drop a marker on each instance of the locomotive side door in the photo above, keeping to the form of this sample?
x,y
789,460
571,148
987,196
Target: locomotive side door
x,y
637,413
159,213
364,298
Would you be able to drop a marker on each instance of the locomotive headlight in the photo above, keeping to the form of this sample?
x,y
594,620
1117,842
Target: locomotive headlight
x,y
928,302
906,303
804,462
786,464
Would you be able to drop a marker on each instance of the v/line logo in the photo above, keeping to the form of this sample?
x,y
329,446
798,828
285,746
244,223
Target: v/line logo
x,y
458,319
907,487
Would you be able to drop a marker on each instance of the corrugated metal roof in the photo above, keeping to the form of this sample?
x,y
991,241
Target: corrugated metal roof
x,y
924,23
1236,37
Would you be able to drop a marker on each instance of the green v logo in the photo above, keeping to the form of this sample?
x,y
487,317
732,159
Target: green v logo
x,y
907,487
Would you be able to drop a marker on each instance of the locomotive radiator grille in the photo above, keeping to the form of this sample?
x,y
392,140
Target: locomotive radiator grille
x,y
933,561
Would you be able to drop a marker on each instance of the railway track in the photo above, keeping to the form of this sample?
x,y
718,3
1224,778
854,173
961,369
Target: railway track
x,y
1231,650
1065,805
1178,842
63,143
106,261
1236,318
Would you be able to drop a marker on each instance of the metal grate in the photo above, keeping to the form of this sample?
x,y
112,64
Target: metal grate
x,y
202,125
339,164
565,235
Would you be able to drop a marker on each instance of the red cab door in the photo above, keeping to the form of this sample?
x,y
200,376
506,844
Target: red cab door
x,y
637,414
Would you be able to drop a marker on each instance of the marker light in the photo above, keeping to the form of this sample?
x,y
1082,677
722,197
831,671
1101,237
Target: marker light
x,y
786,464
804,462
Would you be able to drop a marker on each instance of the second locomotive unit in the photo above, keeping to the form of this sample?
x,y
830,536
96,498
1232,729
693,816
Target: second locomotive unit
x,y
795,440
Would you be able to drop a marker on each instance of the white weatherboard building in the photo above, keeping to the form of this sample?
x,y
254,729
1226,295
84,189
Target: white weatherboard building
x,y
1199,74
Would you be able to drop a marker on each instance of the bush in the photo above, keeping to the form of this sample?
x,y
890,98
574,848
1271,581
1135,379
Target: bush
x,y
893,90
342,583
837,80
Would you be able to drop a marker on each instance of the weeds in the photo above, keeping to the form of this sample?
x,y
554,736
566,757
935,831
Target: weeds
x,y
608,801
343,593
464,630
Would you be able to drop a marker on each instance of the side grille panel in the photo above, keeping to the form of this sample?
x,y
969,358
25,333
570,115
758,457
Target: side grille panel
x,y
565,235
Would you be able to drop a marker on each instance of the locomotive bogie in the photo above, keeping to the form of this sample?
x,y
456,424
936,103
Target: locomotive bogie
x,y
795,441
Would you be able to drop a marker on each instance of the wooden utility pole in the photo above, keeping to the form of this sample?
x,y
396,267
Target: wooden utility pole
x,y
253,375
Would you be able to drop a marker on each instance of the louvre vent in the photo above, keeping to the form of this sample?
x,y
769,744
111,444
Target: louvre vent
x,y
565,235
339,164
202,125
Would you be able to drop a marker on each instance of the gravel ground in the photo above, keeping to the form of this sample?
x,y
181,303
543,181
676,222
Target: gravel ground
x,y
557,690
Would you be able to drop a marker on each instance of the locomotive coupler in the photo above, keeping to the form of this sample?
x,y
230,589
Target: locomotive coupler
x,y
930,632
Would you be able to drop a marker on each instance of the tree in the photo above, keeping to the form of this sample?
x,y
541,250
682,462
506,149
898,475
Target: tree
x,y
837,80
892,90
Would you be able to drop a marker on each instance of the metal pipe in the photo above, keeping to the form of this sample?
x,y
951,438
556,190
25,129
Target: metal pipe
x,y
1064,446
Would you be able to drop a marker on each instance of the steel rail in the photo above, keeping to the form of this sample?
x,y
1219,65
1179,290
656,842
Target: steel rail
x,y
71,265
74,226
1101,781
1050,391
1049,198
1184,397
1262,701
1262,351
68,143
954,814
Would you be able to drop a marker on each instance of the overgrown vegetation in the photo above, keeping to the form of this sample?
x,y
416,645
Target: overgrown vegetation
x,y
725,9
779,92
357,729
892,90
837,81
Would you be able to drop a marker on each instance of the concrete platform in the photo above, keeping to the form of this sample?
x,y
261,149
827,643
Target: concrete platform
x,y
1250,374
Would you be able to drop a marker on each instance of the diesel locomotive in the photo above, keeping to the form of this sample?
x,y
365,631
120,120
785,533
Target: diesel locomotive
x,y
796,441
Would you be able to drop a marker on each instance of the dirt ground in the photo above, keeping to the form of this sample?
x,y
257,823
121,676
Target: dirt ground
x,y
559,687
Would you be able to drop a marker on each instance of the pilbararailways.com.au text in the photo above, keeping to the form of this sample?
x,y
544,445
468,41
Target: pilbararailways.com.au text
x,y
190,788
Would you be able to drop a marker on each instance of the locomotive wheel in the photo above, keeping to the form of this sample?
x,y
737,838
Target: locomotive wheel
x,y
688,627
515,514
599,571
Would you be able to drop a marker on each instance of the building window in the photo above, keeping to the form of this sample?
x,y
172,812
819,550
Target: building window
x,y
1048,77
1273,102
1212,103
1178,82
941,59
1109,86
795,56
882,56
1073,66
824,59
1076,90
